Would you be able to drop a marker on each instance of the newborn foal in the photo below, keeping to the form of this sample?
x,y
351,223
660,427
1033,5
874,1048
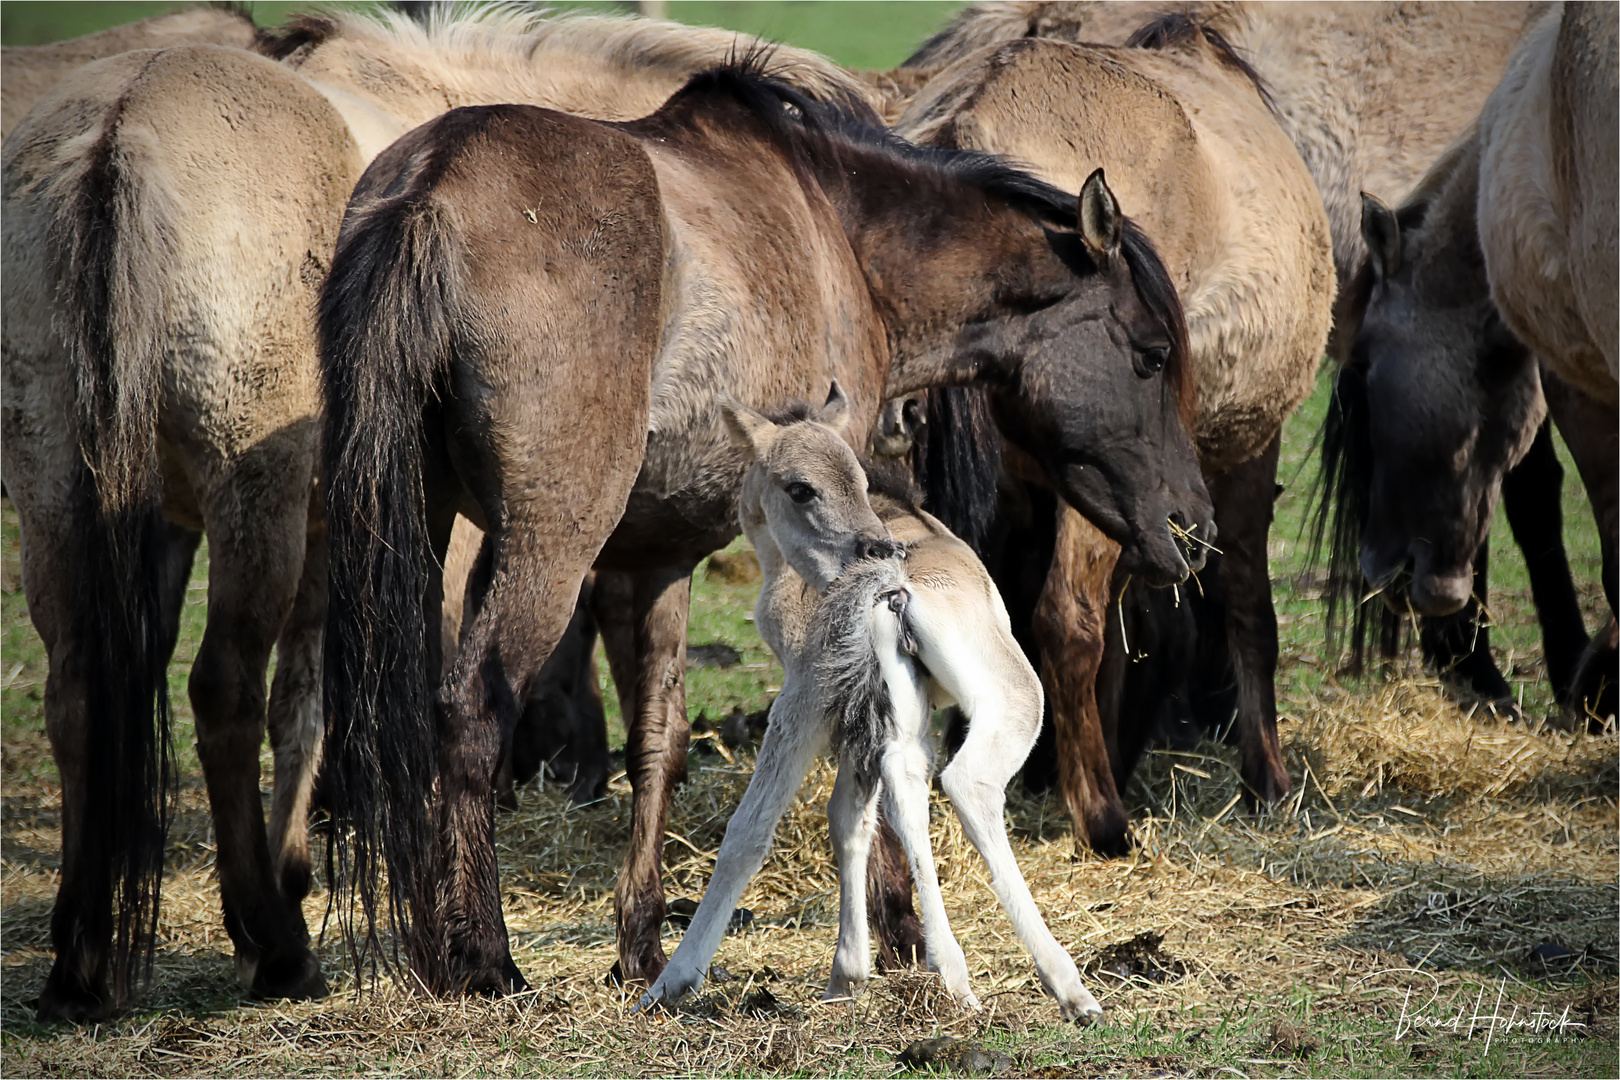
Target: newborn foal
x,y
874,635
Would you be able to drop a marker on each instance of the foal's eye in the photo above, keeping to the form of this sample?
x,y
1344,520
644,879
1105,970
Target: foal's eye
x,y
1154,359
800,492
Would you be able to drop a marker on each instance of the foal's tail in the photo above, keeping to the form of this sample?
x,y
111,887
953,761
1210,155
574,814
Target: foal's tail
x,y
385,338
865,648
107,237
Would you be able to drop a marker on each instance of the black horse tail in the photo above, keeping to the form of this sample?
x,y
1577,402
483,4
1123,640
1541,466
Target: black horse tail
x,y
1341,498
385,327
957,460
107,233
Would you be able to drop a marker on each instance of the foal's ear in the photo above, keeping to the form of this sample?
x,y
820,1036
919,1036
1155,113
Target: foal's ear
x,y
835,412
1382,232
749,430
1101,223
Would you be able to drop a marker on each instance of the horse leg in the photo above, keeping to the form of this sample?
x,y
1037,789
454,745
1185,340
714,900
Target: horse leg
x,y
1243,500
852,818
1069,629
81,920
795,736
999,738
1533,499
255,567
656,739
297,724
905,791
1589,431
530,599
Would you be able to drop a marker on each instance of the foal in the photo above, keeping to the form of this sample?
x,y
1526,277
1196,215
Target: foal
x,y
874,634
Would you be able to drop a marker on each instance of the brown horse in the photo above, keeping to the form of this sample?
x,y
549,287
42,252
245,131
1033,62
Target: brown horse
x,y
1184,131
528,320
169,217
33,69
1503,254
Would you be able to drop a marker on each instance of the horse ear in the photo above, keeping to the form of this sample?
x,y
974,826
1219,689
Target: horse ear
x,y
1101,223
1383,235
835,411
749,430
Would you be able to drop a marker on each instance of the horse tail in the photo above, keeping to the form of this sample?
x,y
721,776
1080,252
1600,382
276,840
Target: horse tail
x,y
957,458
1341,498
385,328
865,648
108,232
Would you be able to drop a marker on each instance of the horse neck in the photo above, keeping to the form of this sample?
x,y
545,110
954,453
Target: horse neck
x,y
1451,264
939,258
414,83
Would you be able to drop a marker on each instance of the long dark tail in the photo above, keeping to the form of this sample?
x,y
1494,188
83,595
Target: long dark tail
x,y
957,459
1341,497
385,338
107,235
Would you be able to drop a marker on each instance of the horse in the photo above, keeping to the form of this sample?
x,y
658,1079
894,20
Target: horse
x,y
1501,256
1370,94
33,69
1183,128
878,614
160,380
527,319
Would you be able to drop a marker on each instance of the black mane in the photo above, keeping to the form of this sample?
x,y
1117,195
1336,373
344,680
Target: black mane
x,y
1175,28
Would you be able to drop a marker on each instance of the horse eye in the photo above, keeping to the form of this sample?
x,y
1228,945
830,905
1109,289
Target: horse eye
x,y
800,492
1155,358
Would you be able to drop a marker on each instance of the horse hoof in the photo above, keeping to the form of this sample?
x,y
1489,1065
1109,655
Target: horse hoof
x,y
292,976
1111,838
1266,785
71,1003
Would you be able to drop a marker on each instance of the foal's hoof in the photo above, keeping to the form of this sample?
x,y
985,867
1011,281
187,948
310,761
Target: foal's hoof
x,y
68,1001
292,976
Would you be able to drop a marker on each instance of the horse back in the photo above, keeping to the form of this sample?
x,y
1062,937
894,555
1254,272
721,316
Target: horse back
x,y
31,70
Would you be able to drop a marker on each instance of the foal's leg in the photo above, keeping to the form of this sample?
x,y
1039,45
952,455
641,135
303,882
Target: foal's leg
x,y
297,723
256,512
796,735
1069,627
656,740
995,686
1243,503
852,818
905,789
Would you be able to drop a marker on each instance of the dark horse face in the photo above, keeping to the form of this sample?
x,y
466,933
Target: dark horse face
x,y
1098,393
1452,402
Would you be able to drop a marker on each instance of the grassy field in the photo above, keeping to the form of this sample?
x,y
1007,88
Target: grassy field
x,y
1419,882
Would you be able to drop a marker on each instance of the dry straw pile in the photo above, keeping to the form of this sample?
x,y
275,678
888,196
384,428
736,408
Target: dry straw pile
x,y
1418,837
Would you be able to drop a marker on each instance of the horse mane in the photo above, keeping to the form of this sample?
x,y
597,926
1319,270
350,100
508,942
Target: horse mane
x,y
957,458
1177,29
809,130
511,33
1341,500
888,479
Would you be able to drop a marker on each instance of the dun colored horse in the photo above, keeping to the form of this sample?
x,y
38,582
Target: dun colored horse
x,y
169,217
873,638
33,69
1183,128
528,319
1504,254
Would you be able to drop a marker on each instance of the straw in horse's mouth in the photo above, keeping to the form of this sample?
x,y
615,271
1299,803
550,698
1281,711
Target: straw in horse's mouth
x,y
1186,536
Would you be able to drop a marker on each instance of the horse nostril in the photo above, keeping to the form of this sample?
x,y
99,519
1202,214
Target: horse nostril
x,y
874,549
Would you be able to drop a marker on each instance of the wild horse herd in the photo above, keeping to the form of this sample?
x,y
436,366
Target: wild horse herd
x,y
355,295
